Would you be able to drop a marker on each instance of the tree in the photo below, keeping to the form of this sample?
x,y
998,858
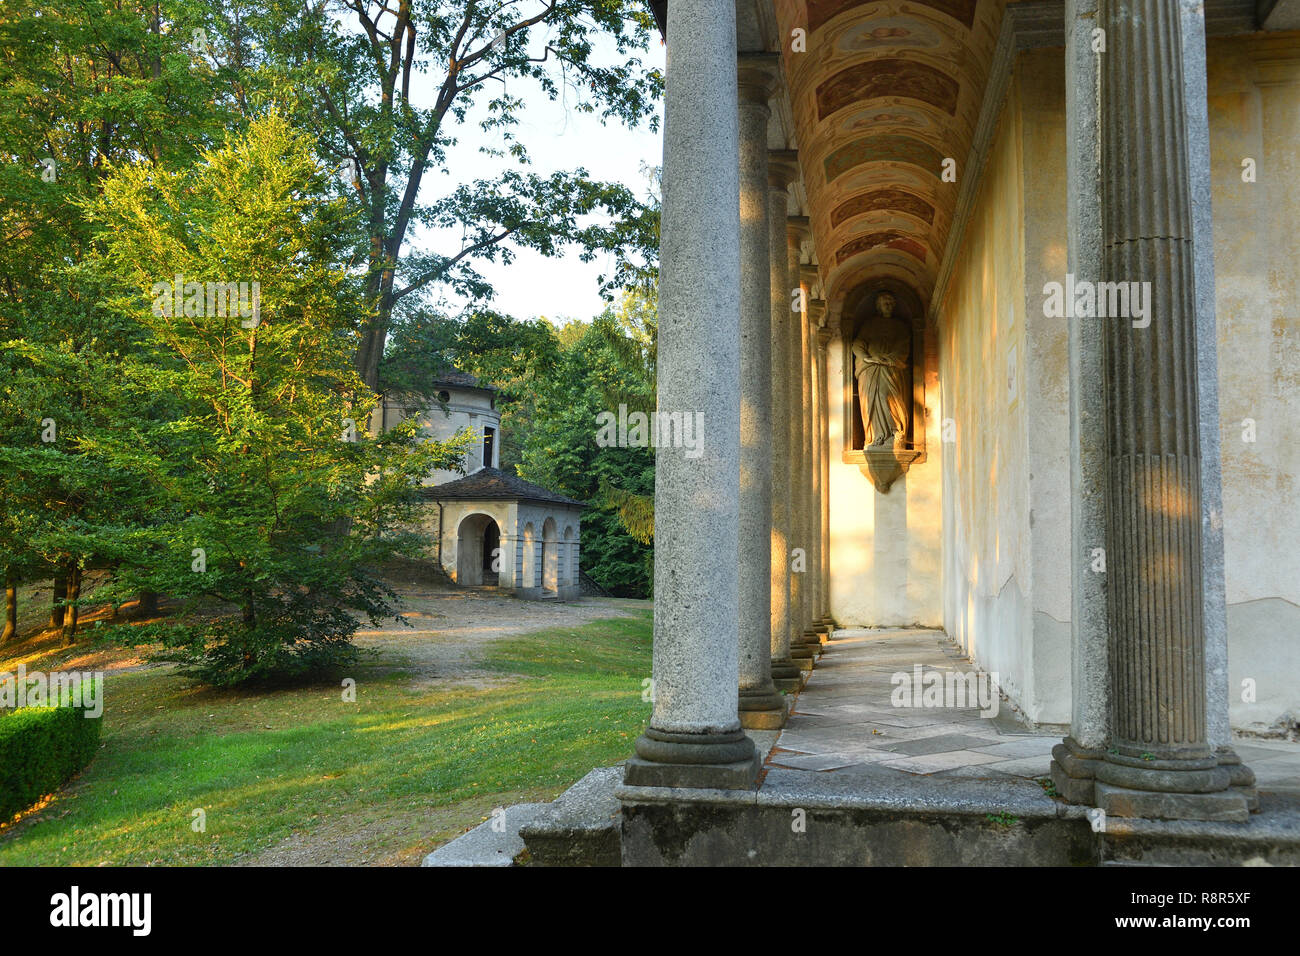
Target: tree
x,y
278,501
82,86
360,71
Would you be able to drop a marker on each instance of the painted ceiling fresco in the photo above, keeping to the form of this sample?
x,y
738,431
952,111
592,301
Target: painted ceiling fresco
x,y
884,93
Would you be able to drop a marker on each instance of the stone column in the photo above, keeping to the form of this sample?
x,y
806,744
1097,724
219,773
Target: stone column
x,y
801,651
827,623
808,468
813,632
783,169
1159,763
761,706
694,738
1075,759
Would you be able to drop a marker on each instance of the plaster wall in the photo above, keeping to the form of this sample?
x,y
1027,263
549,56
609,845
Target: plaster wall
x,y
1254,108
988,558
885,549
466,409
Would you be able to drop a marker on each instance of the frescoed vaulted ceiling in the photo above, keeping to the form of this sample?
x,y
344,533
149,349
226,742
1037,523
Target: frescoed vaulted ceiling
x,y
884,93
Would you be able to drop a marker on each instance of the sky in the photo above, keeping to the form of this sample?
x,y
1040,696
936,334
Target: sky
x,y
556,138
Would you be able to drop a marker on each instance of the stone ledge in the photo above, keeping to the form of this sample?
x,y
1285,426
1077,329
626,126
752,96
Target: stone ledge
x,y
484,846
581,827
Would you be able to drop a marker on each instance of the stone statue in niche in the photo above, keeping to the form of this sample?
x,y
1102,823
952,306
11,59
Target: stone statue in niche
x,y
881,359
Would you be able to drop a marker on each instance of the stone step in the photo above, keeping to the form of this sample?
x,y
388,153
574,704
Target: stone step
x,y
494,842
582,827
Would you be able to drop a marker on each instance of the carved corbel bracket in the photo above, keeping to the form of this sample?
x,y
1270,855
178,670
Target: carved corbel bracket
x,y
883,466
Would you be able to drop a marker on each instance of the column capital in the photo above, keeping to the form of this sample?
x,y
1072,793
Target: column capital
x,y
782,168
823,337
758,76
816,312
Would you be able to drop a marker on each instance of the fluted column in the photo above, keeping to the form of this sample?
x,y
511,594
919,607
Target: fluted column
x,y
783,169
1159,763
694,738
761,706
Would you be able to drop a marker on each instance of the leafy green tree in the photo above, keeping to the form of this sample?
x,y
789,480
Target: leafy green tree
x,y
392,88
278,501
82,86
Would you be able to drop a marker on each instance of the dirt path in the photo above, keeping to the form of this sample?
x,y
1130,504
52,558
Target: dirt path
x,y
450,631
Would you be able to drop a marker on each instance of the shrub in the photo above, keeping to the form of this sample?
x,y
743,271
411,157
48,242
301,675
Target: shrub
x,y
41,748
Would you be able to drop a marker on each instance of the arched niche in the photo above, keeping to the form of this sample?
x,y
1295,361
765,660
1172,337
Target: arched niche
x,y
878,337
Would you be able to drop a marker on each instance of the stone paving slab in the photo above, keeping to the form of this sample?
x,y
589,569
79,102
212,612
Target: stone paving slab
x,y
843,723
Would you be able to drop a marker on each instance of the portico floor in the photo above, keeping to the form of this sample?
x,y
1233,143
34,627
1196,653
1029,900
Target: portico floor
x,y
844,724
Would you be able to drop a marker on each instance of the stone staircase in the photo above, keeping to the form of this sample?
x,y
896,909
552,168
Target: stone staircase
x,y
581,827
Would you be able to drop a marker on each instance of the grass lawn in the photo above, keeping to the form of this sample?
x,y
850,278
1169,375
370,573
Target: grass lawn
x,y
300,776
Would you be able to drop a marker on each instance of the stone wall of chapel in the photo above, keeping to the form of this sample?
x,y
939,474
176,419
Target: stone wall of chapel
x,y
886,548
988,557
1254,104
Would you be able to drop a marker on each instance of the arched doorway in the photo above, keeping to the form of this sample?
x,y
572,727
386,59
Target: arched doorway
x,y
550,556
477,541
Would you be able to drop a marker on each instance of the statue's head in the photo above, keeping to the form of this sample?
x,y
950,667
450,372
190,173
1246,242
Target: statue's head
x,y
885,304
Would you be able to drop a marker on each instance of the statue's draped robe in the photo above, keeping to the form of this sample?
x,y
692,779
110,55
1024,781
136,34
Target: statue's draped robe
x,y
880,367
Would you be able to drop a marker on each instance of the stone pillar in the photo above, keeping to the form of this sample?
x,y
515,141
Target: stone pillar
x,y
812,445
783,169
827,623
801,650
1159,763
694,738
1075,759
761,706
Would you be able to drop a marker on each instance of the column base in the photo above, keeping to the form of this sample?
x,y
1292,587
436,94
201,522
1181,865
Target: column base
x,y
815,638
1242,778
800,651
786,676
716,761
761,709
1224,806
1168,786
1074,771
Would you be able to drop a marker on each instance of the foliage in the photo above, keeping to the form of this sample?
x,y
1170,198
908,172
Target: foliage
x,y
41,749
391,88
274,498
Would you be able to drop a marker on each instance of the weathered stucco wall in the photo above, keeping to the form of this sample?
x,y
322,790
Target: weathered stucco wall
x,y
982,350
886,549
1254,101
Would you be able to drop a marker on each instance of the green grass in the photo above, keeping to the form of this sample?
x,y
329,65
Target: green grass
x,y
266,765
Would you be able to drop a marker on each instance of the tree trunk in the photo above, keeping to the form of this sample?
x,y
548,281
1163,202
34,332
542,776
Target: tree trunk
x,y
60,595
147,605
70,619
11,608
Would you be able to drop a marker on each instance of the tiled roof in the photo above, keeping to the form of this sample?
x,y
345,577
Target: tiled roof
x,y
494,483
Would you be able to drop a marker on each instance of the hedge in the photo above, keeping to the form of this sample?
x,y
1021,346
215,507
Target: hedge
x,y
41,748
